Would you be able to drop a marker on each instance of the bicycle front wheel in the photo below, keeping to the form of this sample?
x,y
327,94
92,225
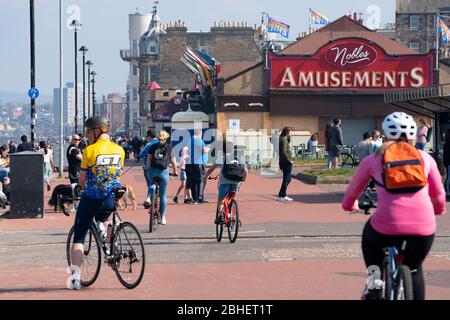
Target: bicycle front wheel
x,y
90,267
128,255
404,288
233,223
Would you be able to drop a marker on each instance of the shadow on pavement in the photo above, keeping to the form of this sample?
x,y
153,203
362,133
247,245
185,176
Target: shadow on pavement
x,y
31,290
335,197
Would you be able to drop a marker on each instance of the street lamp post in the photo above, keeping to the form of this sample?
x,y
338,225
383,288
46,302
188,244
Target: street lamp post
x,y
32,72
76,26
94,111
89,64
83,49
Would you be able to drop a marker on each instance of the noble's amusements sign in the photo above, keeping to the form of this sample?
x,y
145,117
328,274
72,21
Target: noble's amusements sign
x,y
351,64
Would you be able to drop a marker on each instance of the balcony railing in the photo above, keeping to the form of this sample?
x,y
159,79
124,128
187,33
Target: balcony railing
x,y
128,55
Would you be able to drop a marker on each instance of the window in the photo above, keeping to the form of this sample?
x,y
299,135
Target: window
x,y
133,70
134,44
165,93
414,45
154,73
414,22
135,94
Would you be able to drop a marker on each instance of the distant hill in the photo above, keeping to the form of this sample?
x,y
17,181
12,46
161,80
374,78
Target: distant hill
x,y
6,97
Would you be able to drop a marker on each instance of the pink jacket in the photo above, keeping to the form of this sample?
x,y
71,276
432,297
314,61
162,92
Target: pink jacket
x,y
400,214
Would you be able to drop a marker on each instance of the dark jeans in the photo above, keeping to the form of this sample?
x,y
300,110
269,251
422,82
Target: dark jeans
x,y
194,174
417,249
74,174
287,177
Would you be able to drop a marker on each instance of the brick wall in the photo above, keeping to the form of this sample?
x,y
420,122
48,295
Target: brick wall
x,y
249,83
224,44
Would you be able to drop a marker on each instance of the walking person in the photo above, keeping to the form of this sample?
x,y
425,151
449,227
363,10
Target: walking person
x,y
74,158
447,161
159,159
286,162
422,134
151,140
183,177
194,166
48,162
336,141
327,144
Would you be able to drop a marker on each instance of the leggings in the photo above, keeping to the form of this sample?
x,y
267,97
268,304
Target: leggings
x,y
417,249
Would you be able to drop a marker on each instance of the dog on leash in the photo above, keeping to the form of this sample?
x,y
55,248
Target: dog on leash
x,y
129,195
65,197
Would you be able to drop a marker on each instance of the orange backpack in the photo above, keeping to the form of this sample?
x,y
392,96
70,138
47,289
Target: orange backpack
x,y
403,169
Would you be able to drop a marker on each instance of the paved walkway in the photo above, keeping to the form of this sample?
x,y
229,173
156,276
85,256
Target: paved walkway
x,y
308,249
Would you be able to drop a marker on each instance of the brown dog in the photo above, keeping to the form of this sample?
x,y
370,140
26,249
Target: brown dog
x,y
129,195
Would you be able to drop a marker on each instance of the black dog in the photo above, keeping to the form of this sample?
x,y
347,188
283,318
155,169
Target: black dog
x,y
65,194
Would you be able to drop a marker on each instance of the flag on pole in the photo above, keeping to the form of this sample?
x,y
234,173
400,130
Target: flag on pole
x,y
445,32
275,26
317,18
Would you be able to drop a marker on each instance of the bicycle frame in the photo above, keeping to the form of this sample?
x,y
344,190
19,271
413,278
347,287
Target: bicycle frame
x,y
394,259
227,206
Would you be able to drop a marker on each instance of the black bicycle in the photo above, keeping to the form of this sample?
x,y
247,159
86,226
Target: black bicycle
x,y
125,253
349,158
396,277
155,207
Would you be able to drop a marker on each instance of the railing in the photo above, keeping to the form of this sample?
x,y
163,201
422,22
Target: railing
x,y
128,55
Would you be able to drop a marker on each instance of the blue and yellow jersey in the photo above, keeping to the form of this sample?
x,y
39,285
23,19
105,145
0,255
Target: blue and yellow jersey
x,y
103,161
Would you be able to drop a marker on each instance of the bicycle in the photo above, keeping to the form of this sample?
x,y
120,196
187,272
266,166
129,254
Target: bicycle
x,y
228,217
124,254
348,157
155,206
396,277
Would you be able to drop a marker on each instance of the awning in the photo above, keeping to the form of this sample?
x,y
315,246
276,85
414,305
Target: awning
x,y
429,102
153,86
424,101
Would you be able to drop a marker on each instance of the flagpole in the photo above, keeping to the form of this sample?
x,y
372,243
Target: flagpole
x,y
309,21
437,41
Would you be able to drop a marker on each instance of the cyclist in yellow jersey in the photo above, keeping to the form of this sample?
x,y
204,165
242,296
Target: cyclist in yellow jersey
x,y
101,168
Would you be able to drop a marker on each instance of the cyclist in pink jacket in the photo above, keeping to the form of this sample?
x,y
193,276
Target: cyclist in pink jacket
x,y
399,217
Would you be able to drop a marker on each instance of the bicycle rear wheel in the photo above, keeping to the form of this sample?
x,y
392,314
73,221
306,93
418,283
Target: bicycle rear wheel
x,y
404,287
233,223
219,227
347,161
90,267
154,213
128,255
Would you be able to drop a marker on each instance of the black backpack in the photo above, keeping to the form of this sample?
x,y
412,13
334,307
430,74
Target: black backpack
x,y
161,157
233,171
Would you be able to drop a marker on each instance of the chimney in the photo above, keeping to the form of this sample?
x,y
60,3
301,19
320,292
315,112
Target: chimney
x,y
355,16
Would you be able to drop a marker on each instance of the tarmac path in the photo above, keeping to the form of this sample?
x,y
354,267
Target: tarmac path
x,y
308,249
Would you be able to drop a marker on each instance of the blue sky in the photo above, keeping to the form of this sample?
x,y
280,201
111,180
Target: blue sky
x,y
105,32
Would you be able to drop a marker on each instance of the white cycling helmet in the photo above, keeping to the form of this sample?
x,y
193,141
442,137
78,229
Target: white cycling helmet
x,y
397,123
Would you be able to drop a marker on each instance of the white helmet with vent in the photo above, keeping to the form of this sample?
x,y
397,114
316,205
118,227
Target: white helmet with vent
x,y
397,123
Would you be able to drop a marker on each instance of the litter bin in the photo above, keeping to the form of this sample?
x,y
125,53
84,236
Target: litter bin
x,y
27,185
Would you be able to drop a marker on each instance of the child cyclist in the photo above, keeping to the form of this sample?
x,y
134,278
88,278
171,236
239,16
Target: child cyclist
x,y
403,214
231,176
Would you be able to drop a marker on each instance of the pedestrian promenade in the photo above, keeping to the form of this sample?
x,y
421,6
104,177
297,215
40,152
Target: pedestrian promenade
x,y
307,249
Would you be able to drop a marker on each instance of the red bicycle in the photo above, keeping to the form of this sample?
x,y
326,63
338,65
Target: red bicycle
x,y
228,217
